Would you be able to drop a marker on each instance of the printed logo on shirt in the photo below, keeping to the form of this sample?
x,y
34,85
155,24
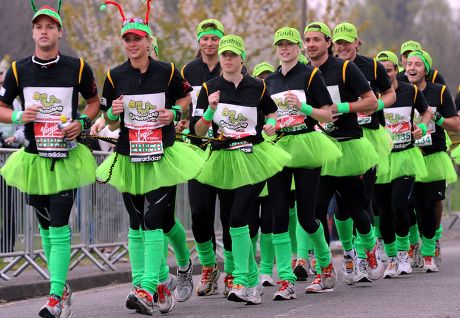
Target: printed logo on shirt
x,y
103,101
398,124
51,104
289,116
141,111
236,121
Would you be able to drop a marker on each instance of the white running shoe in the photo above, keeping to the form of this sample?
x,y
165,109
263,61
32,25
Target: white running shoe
x,y
429,264
392,268
404,263
266,280
349,269
375,267
362,276
285,292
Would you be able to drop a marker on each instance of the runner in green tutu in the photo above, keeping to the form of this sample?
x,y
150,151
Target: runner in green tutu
x,y
430,190
148,164
351,94
52,166
394,189
346,45
302,99
237,105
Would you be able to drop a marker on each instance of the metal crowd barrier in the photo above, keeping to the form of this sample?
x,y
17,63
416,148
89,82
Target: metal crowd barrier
x,y
99,224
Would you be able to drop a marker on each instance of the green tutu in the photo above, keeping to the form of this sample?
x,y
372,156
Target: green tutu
x,y
179,164
407,162
358,157
439,167
203,153
32,174
231,169
310,150
381,140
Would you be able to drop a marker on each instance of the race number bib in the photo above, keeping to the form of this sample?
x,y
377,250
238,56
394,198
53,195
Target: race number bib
x,y
235,121
398,123
289,118
431,128
335,96
55,101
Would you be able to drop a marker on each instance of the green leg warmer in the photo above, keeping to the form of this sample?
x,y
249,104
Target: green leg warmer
x,y
267,254
283,256
241,248
136,255
402,243
428,246
206,253
153,256
345,232
178,239
59,258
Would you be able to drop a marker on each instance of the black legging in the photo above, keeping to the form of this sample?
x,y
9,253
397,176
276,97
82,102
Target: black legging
x,y
306,184
53,210
153,210
426,196
393,201
351,192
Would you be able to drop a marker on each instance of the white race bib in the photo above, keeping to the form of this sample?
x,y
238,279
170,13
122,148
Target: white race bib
x,y
289,117
398,123
425,140
236,121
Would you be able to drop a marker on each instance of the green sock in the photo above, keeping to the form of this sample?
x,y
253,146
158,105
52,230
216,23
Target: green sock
x,y
154,256
136,255
282,244
59,259
322,252
254,244
178,240
229,264
402,243
45,235
438,233
358,244
390,249
253,275
206,253
367,240
413,234
292,229
267,254
428,246
345,232
241,248
377,232
303,242
164,269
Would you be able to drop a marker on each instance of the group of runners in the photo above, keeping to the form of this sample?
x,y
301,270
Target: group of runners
x,y
274,147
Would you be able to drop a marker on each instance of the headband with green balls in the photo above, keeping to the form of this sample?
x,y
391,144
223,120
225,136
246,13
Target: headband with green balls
x,y
48,11
134,25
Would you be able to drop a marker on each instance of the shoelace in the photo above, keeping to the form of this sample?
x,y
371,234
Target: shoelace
x,y
53,301
327,271
428,260
228,281
144,294
205,274
317,280
284,284
162,291
371,259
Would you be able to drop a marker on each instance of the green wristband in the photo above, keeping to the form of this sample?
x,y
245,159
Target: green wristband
x,y
270,121
343,108
16,117
423,127
440,121
306,109
209,114
82,122
381,104
111,116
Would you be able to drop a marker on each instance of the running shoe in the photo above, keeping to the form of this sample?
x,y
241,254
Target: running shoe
x,y
52,308
285,292
165,299
328,276
228,284
317,287
392,268
429,264
362,275
266,280
375,267
208,283
238,293
184,288
301,269
404,263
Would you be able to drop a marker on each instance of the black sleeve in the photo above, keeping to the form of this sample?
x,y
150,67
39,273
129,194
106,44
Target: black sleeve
x,y
108,95
266,104
178,86
201,105
447,108
420,102
457,100
382,82
87,85
10,90
355,79
317,91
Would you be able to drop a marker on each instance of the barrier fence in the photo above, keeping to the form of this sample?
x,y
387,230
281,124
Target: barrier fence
x,y
99,224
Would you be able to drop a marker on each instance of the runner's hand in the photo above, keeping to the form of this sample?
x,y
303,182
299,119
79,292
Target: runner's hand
x,y
165,116
417,133
292,100
213,100
269,129
72,131
117,105
181,125
30,114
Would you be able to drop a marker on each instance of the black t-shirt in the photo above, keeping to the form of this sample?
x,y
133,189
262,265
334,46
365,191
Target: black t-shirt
x,y
378,78
241,111
457,99
196,73
56,87
161,80
438,78
346,127
305,81
399,117
439,99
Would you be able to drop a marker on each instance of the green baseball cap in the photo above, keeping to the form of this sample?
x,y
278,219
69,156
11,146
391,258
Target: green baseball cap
x,y
318,27
345,31
232,43
423,58
262,67
303,59
387,56
288,34
410,46
50,12
136,26
428,58
210,26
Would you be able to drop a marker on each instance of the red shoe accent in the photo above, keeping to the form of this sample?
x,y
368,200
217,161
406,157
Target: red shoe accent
x,y
284,284
372,258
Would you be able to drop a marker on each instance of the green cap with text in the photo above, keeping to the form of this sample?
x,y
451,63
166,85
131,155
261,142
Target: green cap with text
x,y
262,67
345,31
289,34
232,43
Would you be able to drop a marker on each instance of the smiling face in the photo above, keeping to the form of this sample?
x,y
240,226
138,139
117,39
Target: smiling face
x,y
209,45
346,50
415,70
287,51
46,33
136,47
230,62
391,69
316,45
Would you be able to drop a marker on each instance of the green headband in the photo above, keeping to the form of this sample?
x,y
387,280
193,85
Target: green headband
x,y
136,26
50,13
215,32
424,60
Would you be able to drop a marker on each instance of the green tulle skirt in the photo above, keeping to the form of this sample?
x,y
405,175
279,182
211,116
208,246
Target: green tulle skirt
x,y
180,163
309,150
231,169
32,174
407,162
381,140
439,167
358,157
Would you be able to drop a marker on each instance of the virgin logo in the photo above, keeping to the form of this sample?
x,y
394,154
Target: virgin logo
x,y
143,136
49,130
